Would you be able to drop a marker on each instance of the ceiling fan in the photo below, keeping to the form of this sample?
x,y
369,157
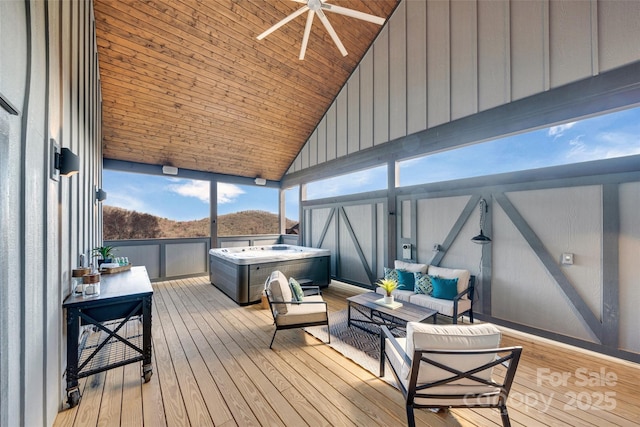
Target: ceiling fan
x,y
318,7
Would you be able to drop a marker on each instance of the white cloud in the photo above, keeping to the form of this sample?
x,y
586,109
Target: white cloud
x,y
577,147
609,145
197,189
228,193
125,201
559,130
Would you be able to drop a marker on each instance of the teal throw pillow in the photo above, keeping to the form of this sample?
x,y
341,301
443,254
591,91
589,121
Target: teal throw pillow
x,y
406,280
391,274
444,288
423,284
296,289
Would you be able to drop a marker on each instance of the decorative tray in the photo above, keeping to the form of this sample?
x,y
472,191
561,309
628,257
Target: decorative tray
x,y
392,306
119,269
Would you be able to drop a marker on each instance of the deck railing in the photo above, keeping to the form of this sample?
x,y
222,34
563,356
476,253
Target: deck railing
x,y
185,257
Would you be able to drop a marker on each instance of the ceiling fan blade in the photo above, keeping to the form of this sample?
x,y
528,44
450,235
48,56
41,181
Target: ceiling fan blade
x,y
291,17
332,32
352,13
307,31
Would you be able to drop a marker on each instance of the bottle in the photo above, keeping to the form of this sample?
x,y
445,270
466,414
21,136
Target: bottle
x,y
91,282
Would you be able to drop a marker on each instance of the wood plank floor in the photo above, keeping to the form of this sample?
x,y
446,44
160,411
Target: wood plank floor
x,y
213,367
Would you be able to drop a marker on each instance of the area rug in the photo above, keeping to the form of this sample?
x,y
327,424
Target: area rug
x,y
353,343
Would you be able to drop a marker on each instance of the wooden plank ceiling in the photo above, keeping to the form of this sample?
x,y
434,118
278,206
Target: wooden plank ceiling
x,y
186,83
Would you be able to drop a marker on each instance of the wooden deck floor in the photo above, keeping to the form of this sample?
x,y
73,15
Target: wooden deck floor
x,y
213,366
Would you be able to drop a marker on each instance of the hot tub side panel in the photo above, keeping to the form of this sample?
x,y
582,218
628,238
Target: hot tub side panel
x,y
230,278
244,283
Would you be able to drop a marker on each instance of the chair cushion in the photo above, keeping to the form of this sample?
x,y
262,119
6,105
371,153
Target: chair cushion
x,y
280,291
396,362
410,266
296,289
452,273
303,313
451,337
442,306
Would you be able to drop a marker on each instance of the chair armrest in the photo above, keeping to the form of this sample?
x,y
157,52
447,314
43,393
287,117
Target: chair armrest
x,y
385,333
461,294
306,302
468,290
311,288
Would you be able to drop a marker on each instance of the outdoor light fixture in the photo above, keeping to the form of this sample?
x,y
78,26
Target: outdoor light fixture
x,y
169,170
481,239
101,195
63,161
260,181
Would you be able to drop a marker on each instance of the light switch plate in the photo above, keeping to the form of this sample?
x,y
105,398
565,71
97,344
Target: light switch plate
x,y
54,150
406,250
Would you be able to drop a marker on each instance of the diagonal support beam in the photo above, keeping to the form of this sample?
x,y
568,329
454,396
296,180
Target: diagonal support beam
x,y
588,318
455,230
354,239
326,228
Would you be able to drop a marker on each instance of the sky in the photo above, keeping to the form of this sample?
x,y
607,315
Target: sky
x,y
601,137
606,136
185,199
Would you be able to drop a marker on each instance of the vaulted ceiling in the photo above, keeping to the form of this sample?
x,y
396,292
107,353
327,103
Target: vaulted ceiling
x,y
186,83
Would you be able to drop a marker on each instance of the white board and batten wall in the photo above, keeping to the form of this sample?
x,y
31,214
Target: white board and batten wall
x,y
439,62
49,73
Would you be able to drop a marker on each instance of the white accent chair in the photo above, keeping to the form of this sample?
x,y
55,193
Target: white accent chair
x,y
289,314
450,366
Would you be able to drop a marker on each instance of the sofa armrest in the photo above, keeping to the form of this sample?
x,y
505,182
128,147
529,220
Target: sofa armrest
x,y
468,291
460,295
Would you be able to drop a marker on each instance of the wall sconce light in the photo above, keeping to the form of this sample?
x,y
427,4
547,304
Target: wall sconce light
x,y
101,195
63,161
169,170
481,239
260,181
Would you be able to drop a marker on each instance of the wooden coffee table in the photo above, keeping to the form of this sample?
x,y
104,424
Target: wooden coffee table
x,y
380,315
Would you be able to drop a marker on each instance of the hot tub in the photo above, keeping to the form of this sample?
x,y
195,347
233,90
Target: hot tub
x,y
241,272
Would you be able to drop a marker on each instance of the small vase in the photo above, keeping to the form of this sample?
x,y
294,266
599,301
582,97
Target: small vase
x,y
388,299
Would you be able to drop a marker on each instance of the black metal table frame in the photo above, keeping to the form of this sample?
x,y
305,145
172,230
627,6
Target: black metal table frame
x,y
133,306
390,321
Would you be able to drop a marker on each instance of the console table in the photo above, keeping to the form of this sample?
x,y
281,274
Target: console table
x,y
122,314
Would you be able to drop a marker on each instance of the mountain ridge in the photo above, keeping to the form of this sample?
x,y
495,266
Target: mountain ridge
x,y
124,224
